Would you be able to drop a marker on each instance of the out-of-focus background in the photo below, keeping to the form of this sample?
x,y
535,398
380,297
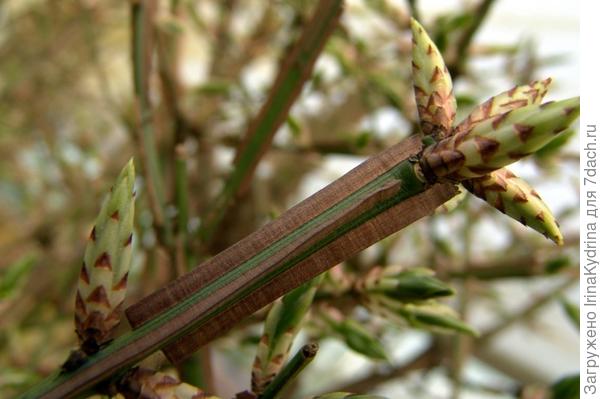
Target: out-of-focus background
x,y
67,125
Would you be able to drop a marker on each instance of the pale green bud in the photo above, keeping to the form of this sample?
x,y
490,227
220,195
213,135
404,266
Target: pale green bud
x,y
517,97
497,142
103,279
517,199
433,85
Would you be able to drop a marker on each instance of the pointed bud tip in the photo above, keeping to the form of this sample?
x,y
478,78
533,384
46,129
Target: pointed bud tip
x,y
558,239
569,105
418,32
127,174
414,24
130,167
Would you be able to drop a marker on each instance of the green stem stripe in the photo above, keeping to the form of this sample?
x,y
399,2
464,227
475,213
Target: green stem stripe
x,y
188,315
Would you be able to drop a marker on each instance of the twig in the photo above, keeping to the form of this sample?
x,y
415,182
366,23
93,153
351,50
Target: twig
x,y
197,369
531,263
529,311
457,60
289,372
343,147
461,343
414,9
374,200
287,87
141,51
223,38
296,230
430,357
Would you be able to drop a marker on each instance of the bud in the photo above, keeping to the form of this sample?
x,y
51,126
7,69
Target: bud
x,y
427,315
281,326
437,317
145,383
354,335
360,339
497,142
405,286
103,278
517,97
433,85
516,198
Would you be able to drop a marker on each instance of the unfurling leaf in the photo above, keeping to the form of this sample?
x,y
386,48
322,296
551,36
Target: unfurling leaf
x,y
360,339
415,284
354,335
427,315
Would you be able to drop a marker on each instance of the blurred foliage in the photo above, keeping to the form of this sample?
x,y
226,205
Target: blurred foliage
x,y
67,125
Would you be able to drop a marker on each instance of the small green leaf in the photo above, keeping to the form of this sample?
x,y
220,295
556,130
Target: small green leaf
x,y
557,264
428,315
411,285
363,138
294,126
446,322
465,101
571,310
360,339
566,388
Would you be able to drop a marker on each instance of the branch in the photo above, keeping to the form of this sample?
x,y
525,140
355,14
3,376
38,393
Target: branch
x,y
259,136
290,371
427,359
529,311
529,264
381,196
457,62
142,13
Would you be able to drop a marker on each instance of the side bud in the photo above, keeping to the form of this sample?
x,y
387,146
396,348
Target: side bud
x,y
415,284
497,142
516,198
517,97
